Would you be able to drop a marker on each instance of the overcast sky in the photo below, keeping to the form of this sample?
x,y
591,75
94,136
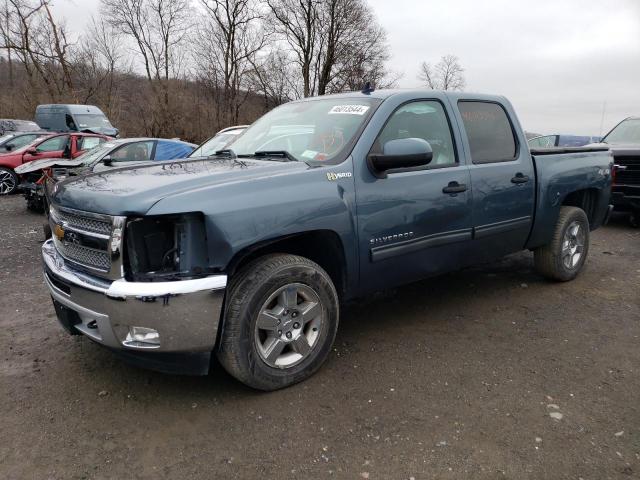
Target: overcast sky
x,y
558,61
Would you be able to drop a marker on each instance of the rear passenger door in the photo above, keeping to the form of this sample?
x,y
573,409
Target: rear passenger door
x,y
502,178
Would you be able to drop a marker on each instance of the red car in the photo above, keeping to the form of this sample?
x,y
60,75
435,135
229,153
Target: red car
x,y
62,145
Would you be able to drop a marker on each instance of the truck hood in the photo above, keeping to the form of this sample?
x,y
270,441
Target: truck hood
x,y
46,163
134,190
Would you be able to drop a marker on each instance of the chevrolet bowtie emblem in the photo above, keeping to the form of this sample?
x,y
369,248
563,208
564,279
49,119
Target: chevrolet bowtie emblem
x,y
58,231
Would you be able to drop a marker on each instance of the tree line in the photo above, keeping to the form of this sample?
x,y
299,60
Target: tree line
x,y
189,67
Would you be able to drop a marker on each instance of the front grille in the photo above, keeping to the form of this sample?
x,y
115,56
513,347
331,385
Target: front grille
x,y
86,223
87,257
630,175
88,240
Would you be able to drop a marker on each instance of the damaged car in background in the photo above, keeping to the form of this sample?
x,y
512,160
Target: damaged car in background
x,y
50,146
43,174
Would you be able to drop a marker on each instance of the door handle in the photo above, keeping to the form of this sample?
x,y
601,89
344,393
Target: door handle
x,y
520,178
454,187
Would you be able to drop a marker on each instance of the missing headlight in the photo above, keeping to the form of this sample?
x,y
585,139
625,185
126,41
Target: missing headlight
x,y
164,248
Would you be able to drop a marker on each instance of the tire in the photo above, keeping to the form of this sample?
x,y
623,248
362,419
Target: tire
x,y
563,258
269,299
8,181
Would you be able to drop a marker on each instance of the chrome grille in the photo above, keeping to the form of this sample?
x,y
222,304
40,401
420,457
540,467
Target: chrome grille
x,y
88,224
86,256
89,240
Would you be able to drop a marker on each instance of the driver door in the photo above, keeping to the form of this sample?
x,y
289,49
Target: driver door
x,y
54,147
415,223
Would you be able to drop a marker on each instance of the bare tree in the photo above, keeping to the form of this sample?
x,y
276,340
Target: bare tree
x,y
332,42
99,63
228,43
157,29
447,74
273,77
296,21
41,44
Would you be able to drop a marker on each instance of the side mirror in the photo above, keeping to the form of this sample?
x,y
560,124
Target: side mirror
x,y
107,161
8,148
400,154
32,151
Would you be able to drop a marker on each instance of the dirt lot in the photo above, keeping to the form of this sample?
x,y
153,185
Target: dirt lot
x,y
487,373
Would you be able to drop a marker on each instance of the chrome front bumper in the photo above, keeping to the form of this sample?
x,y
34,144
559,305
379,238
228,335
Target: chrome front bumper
x,y
186,314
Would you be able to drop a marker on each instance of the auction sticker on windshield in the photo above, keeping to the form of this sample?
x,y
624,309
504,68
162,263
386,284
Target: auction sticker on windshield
x,y
349,110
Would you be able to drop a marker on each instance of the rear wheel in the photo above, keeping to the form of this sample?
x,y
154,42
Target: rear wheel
x,y
8,181
563,258
281,318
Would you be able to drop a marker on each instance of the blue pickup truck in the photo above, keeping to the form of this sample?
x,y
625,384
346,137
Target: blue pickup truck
x,y
248,254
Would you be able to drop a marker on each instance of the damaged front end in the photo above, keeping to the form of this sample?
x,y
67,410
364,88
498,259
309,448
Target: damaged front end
x,y
166,248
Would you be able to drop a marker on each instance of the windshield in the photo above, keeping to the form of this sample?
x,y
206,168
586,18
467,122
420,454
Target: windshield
x,y
627,132
95,154
216,143
320,130
89,120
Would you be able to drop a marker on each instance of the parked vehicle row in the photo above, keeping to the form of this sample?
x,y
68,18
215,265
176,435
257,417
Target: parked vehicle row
x,y
106,155
247,254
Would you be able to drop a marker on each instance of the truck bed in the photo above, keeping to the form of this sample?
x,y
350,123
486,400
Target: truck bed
x,y
579,176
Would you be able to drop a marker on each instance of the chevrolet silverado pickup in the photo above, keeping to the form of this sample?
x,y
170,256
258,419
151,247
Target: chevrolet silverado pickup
x,y
248,255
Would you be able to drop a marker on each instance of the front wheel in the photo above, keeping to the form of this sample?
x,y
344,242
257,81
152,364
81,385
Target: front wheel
x,y
281,317
8,181
563,258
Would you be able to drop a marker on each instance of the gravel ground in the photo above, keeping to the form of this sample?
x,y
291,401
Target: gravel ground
x,y
489,373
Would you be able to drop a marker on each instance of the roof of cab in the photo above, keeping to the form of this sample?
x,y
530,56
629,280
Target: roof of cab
x,y
418,93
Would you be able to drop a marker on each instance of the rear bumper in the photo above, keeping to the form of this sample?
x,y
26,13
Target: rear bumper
x,y
185,314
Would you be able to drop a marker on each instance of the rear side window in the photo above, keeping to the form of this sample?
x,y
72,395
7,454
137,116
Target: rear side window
x,y
20,141
133,152
87,143
489,132
172,150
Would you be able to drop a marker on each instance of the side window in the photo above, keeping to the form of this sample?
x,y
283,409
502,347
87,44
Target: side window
x,y
133,152
171,150
87,143
21,141
426,120
489,132
71,125
54,144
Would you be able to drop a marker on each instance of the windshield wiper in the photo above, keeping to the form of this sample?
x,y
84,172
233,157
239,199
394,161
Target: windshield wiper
x,y
276,153
227,152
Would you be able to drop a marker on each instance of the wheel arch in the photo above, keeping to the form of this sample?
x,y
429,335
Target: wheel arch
x,y
587,199
324,247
